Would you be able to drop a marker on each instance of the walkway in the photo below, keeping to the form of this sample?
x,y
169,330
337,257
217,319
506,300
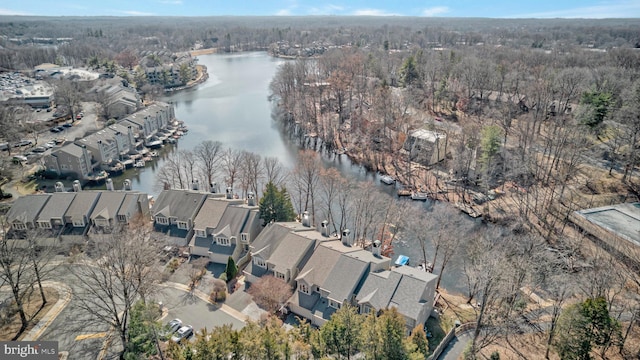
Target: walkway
x,y
64,297
456,347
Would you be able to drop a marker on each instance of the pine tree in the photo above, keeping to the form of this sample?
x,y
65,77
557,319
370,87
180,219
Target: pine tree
x,y
275,205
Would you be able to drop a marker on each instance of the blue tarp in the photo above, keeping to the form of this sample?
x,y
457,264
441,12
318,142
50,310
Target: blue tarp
x,y
402,260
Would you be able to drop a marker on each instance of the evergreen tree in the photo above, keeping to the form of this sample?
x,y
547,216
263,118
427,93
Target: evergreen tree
x,y
232,269
341,334
275,205
392,333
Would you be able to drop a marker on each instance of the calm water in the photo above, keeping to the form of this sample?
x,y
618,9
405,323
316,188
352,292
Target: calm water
x,y
232,107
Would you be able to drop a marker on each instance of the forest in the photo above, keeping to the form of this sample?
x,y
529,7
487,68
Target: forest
x,y
540,118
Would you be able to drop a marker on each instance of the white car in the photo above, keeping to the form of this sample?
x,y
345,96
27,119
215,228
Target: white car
x,y
183,333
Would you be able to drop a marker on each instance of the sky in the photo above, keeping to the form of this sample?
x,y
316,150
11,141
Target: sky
x,y
426,8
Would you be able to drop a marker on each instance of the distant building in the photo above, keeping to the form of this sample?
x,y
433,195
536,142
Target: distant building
x,y
171,74
146,122
426,147
616,225
70,160
119,100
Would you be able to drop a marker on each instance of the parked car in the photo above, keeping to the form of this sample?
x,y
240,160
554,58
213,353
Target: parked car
x,y
170,328
19,159
55,129
182,333
51,144
39,149
67,125
23,143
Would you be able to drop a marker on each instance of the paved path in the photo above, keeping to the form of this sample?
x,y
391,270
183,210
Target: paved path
x,y
64,297
456,347
204,297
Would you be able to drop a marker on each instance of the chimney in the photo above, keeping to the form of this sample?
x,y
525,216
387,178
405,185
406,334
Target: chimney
x,y
229,192
195,185
109,184
127,185
59,187
306,220
346,239
76,186
324,228
166,186
213,188
375,248
251,198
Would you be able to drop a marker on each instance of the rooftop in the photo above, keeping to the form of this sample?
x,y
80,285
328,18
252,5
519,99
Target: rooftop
x,y
621,219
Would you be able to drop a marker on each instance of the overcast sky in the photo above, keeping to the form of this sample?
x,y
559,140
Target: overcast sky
x,y
440,8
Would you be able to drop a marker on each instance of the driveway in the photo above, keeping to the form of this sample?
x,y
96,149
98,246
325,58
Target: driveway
x,y
456,347
192,310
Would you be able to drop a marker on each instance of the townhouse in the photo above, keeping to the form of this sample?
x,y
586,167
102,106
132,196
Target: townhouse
x,y
224,227
328,272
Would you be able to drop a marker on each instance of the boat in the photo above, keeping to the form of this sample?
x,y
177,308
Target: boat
x,y
128,164
403,191
386,179
419,196
155,144
139,164
171,140
402,260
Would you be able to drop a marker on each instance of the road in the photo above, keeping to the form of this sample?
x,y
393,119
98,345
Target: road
x,y
78,332
456,347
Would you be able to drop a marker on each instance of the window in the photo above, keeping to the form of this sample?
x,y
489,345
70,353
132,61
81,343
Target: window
x,y
122,218
244,237
78,223
259,262
365,309
162,220
334,304
44,224
279,275
182,225
303,288
201,233
223,241
19,226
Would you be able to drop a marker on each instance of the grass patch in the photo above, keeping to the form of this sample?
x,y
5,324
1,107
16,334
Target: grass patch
x,y
438,332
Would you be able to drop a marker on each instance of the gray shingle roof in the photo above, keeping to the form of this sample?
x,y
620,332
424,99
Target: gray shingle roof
x,y
320,264
57,205
409,296
82,204
269,239
180,204
25,209
344,278
210,213
290,252
378,289
108,204
129,199
71,149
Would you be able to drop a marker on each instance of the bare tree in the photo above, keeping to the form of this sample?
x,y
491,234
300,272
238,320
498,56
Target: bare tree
x,y
208,154
122,272
231,166
252,171
274,171
270,293
305,177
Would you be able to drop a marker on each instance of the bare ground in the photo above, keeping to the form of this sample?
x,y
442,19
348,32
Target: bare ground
x,y
33,311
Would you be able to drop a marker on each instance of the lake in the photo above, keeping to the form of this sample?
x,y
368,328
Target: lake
x,y
233,107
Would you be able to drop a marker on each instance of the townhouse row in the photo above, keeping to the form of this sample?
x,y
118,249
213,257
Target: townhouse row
x,y
326,271
103,150
76,212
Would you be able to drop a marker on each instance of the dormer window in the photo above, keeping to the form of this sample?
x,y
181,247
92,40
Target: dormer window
x,y
244,237
303,288
19,226
365,309
259,262
279,275
223,241
162,220
182,225
201,233
44,224
334,304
